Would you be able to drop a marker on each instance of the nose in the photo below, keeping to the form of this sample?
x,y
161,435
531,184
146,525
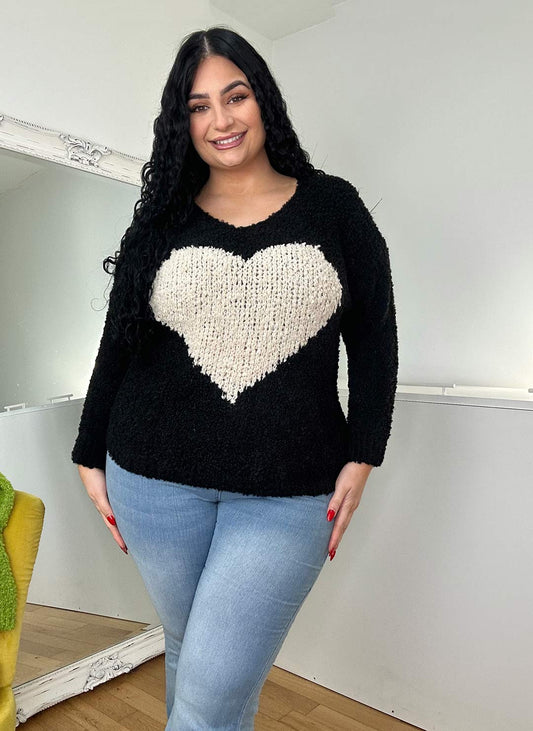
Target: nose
x,y
223,118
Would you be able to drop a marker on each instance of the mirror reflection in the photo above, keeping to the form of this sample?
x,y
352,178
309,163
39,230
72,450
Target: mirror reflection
x,y
58,225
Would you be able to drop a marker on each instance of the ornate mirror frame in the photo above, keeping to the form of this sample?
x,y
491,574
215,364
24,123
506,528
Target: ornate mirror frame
x,y
46,690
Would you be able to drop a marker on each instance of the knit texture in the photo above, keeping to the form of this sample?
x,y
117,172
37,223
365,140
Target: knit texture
x,y
8,587
237,387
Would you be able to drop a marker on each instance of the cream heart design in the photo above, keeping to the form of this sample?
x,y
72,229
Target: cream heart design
x,y
240,318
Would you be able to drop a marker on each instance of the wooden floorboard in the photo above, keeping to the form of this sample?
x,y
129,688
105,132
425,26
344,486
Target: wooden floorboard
x,y
135,701
52,638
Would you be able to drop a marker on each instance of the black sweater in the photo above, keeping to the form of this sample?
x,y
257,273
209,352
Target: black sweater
x,y
238,391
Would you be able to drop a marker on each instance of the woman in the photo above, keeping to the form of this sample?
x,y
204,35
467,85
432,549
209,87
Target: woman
x,y
212,441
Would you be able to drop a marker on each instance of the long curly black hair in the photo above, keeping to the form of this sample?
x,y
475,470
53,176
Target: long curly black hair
x,y
175,173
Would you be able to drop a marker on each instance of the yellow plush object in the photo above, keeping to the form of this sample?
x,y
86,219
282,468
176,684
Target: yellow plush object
x,y
8,588
21,539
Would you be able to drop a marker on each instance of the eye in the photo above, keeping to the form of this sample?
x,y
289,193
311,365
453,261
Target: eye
x,y
237,97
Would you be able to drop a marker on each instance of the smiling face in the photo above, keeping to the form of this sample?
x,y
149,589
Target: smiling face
x,y
222,104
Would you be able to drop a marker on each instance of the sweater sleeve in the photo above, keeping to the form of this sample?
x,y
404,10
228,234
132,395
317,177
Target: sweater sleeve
x,y
368,329
110,366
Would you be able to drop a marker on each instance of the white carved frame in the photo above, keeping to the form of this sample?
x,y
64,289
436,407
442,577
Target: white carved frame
x,y
83,675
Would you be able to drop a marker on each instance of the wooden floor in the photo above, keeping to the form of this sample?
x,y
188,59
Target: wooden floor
x,y
51,638
136,701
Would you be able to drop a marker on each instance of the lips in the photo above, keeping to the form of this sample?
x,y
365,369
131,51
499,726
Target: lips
x,y
227,137
224,144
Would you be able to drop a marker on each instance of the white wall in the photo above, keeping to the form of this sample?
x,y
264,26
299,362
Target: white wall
x,y
426,105
425,611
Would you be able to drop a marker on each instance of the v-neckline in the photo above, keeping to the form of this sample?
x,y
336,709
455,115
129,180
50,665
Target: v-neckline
x,y
288,203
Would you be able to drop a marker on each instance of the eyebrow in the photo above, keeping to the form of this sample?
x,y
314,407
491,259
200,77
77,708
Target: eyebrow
x,y
222,91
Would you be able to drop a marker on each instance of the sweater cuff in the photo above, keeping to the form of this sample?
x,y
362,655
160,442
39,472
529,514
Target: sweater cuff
x,y
88,452
366,448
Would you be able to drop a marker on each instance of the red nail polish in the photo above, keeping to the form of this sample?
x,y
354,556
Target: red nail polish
x,y
125,549
332,554
331,514
111,519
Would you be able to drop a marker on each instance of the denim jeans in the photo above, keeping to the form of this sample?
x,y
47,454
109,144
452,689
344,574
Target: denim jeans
x,y
227,574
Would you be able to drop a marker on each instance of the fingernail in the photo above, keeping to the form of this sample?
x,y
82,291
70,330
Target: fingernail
x,y
111,519
331,514
332,554
125,549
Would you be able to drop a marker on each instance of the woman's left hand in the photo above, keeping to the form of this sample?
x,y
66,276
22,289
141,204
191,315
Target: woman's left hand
x,y
349,488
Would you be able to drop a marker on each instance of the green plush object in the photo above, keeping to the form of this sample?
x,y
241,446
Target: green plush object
x,y
8,588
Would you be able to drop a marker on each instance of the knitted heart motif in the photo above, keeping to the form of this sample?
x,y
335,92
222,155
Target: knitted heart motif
x,y
240,318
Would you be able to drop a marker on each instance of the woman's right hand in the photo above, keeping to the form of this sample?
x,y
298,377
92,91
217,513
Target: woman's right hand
x,y
93,479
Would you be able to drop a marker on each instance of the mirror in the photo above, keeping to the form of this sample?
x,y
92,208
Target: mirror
x,y
58,224
64,206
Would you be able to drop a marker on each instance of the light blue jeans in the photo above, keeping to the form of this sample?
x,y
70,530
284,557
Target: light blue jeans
x,y
227,574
